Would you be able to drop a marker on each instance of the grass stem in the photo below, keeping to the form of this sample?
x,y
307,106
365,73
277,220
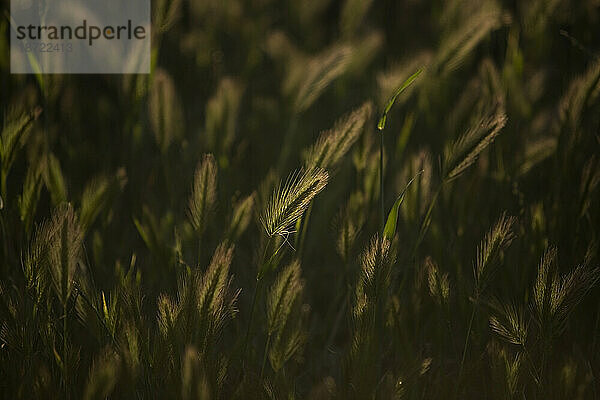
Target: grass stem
x,y
65,355
248,329
381,194
465,348
264,361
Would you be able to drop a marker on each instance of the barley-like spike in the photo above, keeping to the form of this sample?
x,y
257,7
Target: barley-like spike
x,y
570,291
578,96
284,319
369,312
490,249
216,302
168,313
320,72
290,200
164,110
282,296
348,229
97,194
375,275
509,323
222,114
61,242
242,215
204,190
543,283
212,290
439,285
513,367
130,344
28,200
554,297
457,46
55,181
205,302
332,145
35,257
465,151
15,131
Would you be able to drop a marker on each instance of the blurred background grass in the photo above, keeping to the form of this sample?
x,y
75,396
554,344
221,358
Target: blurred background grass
x,y
254,83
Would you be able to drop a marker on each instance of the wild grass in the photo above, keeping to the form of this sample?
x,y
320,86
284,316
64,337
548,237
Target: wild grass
x,y
239,225
291,199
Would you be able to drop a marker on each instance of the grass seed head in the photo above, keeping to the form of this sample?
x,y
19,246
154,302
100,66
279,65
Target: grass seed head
x,y
204,192
291,199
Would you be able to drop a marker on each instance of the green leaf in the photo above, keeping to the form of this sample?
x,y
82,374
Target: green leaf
x,y
392,100
390,226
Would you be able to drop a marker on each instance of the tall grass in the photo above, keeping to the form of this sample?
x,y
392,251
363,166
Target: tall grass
x,y
238,225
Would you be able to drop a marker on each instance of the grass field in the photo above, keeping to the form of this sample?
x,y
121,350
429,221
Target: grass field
x,y
310,200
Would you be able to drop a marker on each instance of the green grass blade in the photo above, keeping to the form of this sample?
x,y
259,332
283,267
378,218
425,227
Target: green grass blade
x,y
390,226
392,100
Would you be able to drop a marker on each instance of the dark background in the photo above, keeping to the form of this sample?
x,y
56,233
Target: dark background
x,y
225,80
